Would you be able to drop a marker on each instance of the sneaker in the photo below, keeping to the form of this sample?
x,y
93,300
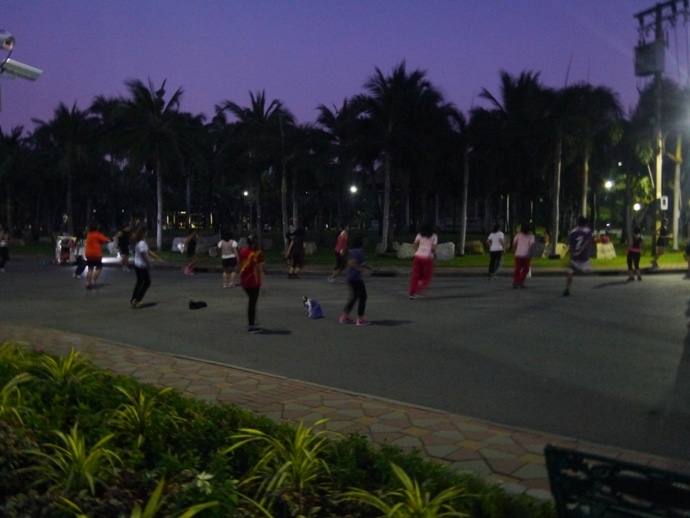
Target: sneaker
x,y
331,280
90,286
631,279
135,304
255,330
362,322
416,296
344,319
566,293
639,277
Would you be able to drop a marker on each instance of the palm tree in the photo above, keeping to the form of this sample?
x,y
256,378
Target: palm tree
x,y
70,133
259,128
394,106
593,119
350,148
673,113
105,109
12,153
150,129
515,133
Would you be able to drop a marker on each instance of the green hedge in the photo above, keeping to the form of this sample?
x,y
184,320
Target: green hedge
x,y
78,441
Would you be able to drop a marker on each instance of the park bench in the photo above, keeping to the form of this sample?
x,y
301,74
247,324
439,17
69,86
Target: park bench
x,y
589,485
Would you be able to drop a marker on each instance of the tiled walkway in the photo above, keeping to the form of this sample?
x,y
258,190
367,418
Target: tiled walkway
x,y
507,456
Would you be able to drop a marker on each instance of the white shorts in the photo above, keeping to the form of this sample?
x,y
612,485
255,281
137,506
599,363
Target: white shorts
x,y
579,267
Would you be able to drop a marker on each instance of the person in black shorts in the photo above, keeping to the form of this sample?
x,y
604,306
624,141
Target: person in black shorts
x,y
295,253
661,243
124,238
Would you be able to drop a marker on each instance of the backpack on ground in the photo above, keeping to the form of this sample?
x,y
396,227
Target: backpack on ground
x,y
312,308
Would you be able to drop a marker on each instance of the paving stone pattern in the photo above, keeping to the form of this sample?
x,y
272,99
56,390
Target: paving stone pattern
x,y
512,458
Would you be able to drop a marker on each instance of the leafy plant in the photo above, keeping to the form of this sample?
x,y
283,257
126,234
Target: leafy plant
x,y
410,500
11,396
13,355
64,369
71,465
291,465
142,414
153,506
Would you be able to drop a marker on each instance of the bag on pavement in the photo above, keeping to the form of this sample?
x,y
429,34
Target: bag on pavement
x,y
312,308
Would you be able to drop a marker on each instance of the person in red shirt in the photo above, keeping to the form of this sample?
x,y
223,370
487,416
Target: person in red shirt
x,y
251,276
94,254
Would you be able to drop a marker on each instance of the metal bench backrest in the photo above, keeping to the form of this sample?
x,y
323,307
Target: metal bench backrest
x,y
589,485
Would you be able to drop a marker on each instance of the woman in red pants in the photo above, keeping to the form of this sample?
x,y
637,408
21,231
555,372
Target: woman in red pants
x,y
423,263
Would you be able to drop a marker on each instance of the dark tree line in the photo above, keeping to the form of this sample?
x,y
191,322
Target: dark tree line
x,y
532,154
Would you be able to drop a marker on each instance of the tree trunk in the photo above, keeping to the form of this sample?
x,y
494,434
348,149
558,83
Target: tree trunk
x,y
8,205
188,200
283,204
259,225
386,205
555,202
678,159
70,225
159,205
295,208
463,214
585,184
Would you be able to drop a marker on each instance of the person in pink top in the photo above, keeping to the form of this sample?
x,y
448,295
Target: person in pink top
x,y
340,253
523,242
423,263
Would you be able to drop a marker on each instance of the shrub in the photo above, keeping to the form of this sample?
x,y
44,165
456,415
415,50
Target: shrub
x,y
216,460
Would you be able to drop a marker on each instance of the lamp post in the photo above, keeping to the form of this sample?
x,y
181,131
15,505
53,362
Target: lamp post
x,y
250,222
353,193
608,185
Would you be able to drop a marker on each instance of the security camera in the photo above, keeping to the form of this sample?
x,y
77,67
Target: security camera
x,y
18,69
6,40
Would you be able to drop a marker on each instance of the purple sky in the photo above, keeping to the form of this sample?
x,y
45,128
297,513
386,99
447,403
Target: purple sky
x,y
311,52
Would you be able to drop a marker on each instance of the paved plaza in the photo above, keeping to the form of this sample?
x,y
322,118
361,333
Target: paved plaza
x,y
476,374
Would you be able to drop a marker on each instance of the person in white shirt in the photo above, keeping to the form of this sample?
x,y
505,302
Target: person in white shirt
x,y
523,242
141,267
496,246
228,255
423,262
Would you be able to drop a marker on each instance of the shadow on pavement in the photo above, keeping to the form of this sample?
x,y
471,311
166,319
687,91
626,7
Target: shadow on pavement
x,y
390,323
265,331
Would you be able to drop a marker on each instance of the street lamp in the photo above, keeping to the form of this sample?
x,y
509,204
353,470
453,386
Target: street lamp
x,y
250,200
608,185
354,216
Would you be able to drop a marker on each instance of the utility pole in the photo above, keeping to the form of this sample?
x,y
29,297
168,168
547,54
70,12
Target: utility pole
x,y
649,60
